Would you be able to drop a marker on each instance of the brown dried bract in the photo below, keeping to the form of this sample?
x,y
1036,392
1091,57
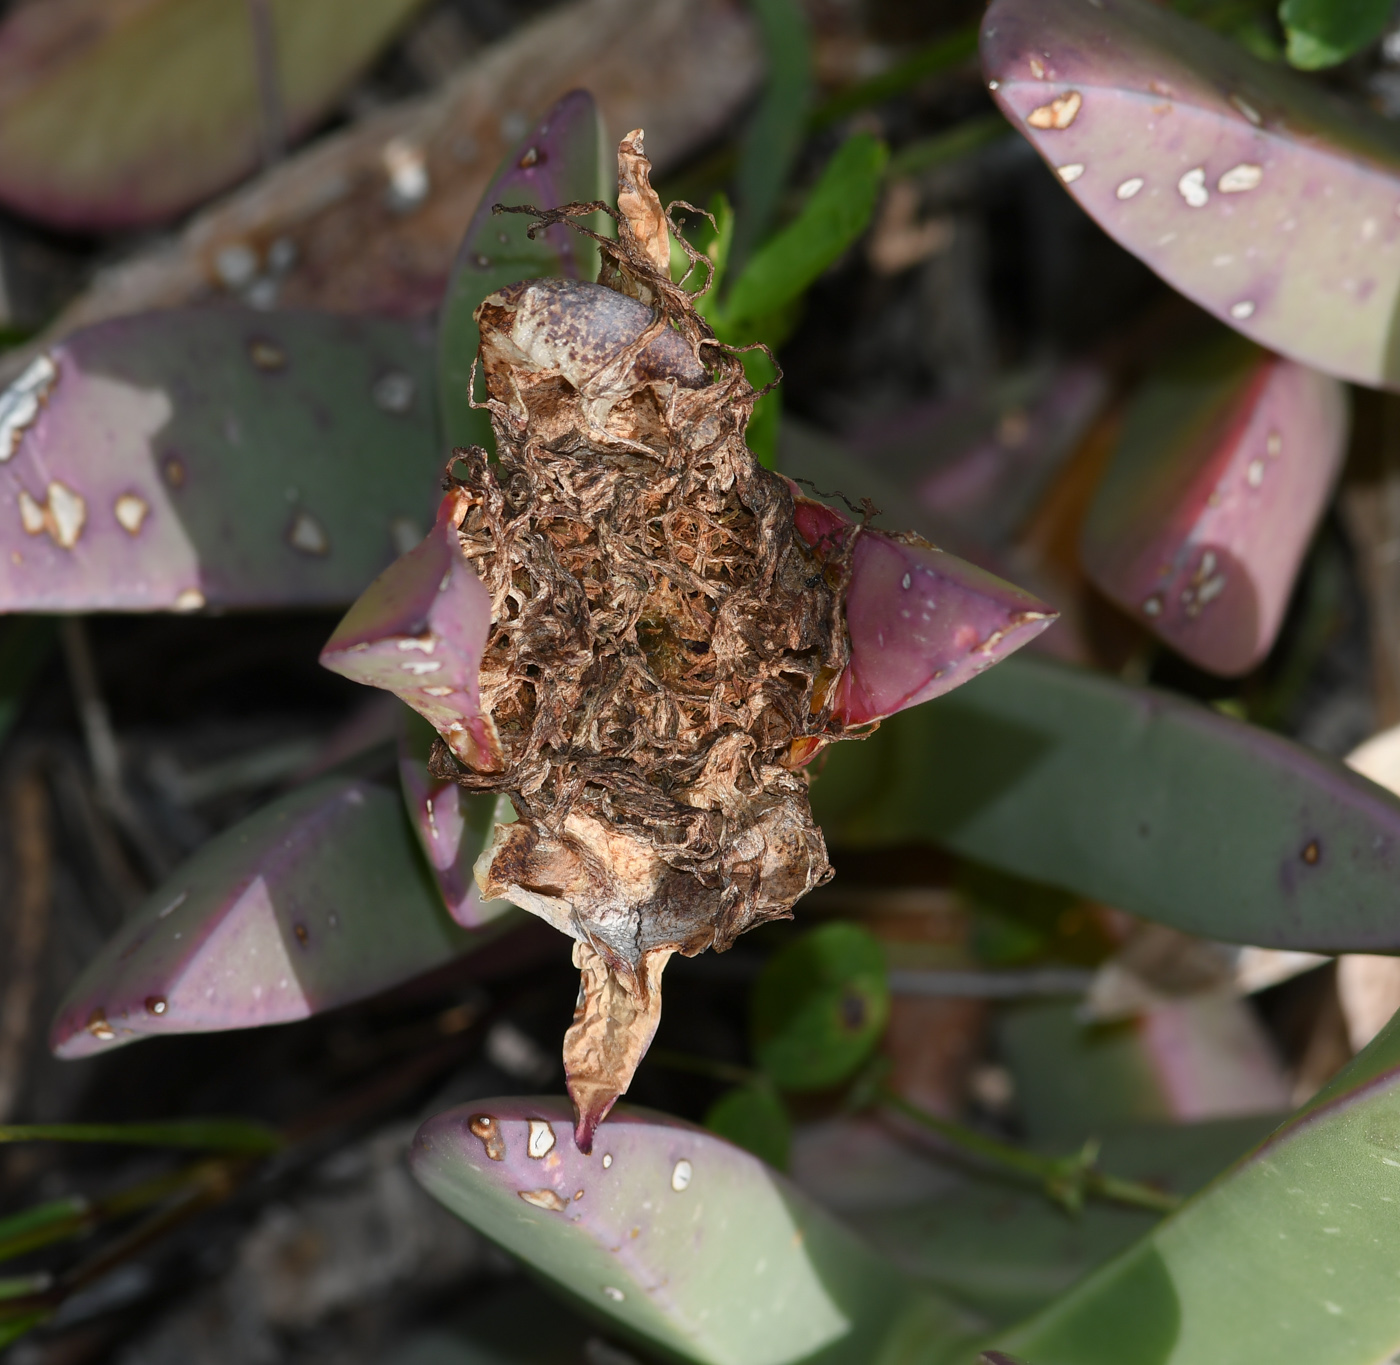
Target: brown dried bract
x,y
663,644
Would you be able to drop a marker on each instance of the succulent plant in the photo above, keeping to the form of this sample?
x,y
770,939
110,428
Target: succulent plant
x,y
635,660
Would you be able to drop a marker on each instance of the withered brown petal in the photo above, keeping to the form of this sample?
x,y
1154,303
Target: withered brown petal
x,y
614,1023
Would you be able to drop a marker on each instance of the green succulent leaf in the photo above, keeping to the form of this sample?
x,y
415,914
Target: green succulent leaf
x,y
754,1118
819,1007
837,211
1132,797
679,1240
1322,33
561,160
1288,1258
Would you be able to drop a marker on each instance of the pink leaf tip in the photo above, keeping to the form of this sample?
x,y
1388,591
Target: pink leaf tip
x,y
419,631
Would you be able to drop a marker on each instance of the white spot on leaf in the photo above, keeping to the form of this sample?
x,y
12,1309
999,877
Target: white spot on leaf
x,y
191,599
1192,188
616,1295
1059,113
1069,174
1129,187
1242,310
308,535
544,1199
63,514
1238,179
541,1140
21,402
680,1176
236,265
393,392
131,512
1254,475
406,165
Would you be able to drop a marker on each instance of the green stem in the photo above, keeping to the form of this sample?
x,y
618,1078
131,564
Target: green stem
x,y
219,1135
703,1066
1066,1180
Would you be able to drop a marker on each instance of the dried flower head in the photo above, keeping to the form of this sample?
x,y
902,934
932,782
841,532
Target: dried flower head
x,y
668,643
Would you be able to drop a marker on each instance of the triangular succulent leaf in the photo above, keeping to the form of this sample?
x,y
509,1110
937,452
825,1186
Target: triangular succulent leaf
x,y
419,631
319,899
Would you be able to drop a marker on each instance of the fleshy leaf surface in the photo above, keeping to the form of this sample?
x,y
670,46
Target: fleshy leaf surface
x,y
452,825
214,456
419,632
1134,798
318,899
682,1240
1260,196
1223,470
117,116
561,160
1302,1232
921,621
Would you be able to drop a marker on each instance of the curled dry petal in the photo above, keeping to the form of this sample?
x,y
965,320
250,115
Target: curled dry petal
x,y
614,1023
418,632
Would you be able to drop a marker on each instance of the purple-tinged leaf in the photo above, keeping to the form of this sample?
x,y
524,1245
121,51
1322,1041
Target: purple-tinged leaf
x,y
1223,470
419,632
1257,194
452,825
921,621
319,899
214,456
680,1239
561,160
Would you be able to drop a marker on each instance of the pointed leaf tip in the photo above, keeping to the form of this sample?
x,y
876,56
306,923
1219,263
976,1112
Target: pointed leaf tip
x,y
921,621
419,632
316,900
452,825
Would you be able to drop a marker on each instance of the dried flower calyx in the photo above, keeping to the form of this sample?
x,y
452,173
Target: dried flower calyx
x,y
665,647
